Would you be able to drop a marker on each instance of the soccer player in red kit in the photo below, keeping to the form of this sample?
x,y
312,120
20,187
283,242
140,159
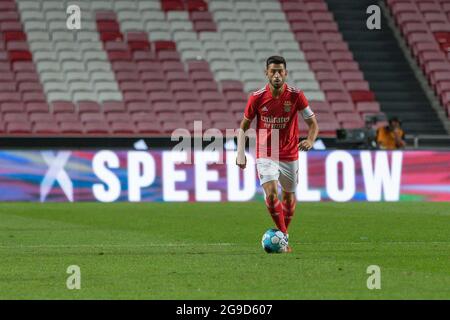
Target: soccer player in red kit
x,y
276,108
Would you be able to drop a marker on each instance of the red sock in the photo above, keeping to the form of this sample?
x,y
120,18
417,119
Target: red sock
x,y
288,211
276,211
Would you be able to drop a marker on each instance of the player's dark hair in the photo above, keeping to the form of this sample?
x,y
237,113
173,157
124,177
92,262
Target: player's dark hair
x,y
276,60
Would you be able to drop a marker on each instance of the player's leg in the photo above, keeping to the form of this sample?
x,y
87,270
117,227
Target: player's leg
x,y
268,176
288,180
273,204
288,202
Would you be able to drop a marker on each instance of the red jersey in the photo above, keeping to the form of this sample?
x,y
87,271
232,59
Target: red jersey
x,y
276,113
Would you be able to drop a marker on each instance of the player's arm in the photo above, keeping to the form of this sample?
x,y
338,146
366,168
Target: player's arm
x,y
241,160
313,131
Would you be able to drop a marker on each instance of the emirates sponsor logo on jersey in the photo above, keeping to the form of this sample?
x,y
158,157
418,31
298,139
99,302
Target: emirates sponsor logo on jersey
x,y
272,122
287,106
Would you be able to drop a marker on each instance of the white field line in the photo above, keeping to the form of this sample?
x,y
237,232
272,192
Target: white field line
x,y
115,245
224,244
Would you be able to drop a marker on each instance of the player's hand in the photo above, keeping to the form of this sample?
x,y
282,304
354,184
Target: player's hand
x,y
305,145
241,161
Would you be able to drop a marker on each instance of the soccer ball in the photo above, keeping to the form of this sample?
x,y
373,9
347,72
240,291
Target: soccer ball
x,y
274,241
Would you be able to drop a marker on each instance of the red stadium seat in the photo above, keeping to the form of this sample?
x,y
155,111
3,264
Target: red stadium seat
x,y
148,127
342,107
172,5
182,86
36,107
348,117
443,87
139,55
30,87
206,86
196,5
212,97
15,117
362,95
116,117
131,86
63,107
10,16
191,116
295,16
338,56
163,45
96,128
182,96
172,66
156,86
302,26
306,36
113,106
41,117
351,75
357,86
170,126
134,107
327,86
34,97
201,76
23,76
107,36
46,127
122,128
168,55
205,26
320,106
18,127
160,97
108,26
144,116
119,56
92,117
71,127
314,56
10,97
231,85
67,117
25,66
346,66
190,107
88,107
9,86
338,97
211,106
134,96
177,76
200,16
105,16
238,96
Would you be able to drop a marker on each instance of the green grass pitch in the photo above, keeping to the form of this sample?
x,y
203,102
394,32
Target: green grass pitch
x,y
213,251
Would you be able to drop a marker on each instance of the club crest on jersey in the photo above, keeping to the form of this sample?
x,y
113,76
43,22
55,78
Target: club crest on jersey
x,y
287,106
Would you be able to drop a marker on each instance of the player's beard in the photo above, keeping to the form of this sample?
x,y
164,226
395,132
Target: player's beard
x,y
277,85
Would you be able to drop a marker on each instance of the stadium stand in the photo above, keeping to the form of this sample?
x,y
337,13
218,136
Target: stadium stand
x,y
150,66
425,26
384,64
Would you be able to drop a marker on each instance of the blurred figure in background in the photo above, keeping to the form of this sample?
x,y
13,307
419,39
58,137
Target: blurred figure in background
x,y
391,136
